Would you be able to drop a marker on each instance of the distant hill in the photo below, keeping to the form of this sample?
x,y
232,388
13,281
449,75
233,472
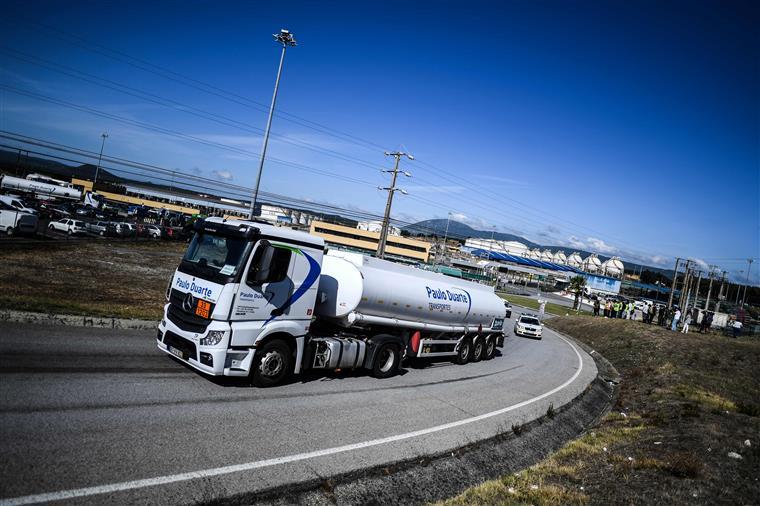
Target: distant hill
x,y
461,231
12,161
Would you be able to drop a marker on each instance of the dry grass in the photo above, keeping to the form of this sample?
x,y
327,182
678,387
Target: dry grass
x,y
686,401
99,278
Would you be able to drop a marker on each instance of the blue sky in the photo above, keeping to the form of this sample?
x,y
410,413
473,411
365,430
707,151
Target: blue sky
x,y
625,128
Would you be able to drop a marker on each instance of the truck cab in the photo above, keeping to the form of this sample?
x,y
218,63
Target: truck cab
x,y
239,286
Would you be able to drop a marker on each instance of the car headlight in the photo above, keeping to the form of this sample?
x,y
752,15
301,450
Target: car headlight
x,y
212,338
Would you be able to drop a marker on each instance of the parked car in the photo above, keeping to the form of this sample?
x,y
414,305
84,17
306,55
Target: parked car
x,y
13,221
152,231
17,204
101,228
85,212
126,229
68,226
508,308
528,325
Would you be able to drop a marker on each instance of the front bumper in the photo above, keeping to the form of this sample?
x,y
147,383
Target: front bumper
x,y
528,332
216,360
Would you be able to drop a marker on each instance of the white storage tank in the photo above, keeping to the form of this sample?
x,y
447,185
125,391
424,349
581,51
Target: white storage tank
x,y
353,283
592,264
613,267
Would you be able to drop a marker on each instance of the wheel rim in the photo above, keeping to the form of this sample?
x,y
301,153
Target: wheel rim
x,y
464,352
490,347
272,364
387,359
478,349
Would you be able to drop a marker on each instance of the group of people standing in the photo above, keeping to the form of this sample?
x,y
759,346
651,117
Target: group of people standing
x,y
652,313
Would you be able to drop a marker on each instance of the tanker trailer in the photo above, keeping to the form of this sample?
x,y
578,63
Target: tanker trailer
x,y
250,299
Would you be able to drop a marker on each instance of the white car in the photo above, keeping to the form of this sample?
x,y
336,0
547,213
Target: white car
x,y
17,204
13,221
153,231
68,226
528,325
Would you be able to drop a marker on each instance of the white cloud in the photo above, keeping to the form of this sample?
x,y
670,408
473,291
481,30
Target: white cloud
x,y
224,175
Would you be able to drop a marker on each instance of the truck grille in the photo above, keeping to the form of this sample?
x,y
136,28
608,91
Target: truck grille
x,y
180,343
188,322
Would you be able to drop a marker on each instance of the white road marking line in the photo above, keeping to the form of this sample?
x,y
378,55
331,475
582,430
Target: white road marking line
x,y
207,473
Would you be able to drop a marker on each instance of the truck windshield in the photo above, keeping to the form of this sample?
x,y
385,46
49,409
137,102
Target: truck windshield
x,y
215,254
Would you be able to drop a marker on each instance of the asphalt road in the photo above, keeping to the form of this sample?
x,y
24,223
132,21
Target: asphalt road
x,y
96,416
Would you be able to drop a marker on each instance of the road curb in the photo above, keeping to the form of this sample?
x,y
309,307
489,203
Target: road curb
x,y
12,316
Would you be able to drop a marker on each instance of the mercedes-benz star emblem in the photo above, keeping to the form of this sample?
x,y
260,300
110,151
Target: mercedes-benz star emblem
x,y
188,303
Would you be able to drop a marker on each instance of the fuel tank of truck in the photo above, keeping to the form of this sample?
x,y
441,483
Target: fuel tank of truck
x,y
352,282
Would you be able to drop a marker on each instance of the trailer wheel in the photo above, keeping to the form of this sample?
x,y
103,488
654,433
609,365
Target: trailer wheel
x,y
387,359
271,364
478,349
490,348
464,352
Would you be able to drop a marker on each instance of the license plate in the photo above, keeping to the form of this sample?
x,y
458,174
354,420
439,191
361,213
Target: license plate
x,y
175,351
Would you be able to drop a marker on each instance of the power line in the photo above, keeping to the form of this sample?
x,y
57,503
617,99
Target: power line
x,y
174,104
229,189
174,133
191,82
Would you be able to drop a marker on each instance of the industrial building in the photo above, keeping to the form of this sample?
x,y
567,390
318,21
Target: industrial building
x,y
366,241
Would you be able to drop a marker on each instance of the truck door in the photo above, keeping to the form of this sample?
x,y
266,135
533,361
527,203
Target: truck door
x,y
267,284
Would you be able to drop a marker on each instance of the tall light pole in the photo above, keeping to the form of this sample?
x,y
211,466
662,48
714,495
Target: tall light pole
x,y
284,38
746,285
445,236
104,135
391,190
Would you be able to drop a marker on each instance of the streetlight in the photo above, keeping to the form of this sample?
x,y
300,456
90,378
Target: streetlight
x,y
104,135
446,235
284,38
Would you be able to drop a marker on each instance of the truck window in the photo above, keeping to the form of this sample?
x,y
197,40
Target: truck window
x,y
222,254
270,264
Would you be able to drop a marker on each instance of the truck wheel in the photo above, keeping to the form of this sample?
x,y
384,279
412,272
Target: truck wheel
x,y
490,350
464,352
69,232
9,231
387,359
271,364
478,348
102,233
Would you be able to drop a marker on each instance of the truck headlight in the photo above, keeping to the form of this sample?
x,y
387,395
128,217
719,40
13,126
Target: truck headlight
x,y
212,338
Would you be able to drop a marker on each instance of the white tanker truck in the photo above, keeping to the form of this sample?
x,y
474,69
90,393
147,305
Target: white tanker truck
x,y
38,188
250,299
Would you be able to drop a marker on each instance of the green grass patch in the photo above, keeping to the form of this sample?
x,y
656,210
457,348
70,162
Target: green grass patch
x,y
530,303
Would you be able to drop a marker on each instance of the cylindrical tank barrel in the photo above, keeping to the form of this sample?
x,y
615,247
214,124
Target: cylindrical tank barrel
x,y
352,282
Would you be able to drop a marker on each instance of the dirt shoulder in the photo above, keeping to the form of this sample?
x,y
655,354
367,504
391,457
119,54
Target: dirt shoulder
x,y
686,406
98,277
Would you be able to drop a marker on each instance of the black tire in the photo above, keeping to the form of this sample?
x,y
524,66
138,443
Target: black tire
x,y
478,349
464,352
10,231
102,233
387,359
69,232
490,350
272,364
